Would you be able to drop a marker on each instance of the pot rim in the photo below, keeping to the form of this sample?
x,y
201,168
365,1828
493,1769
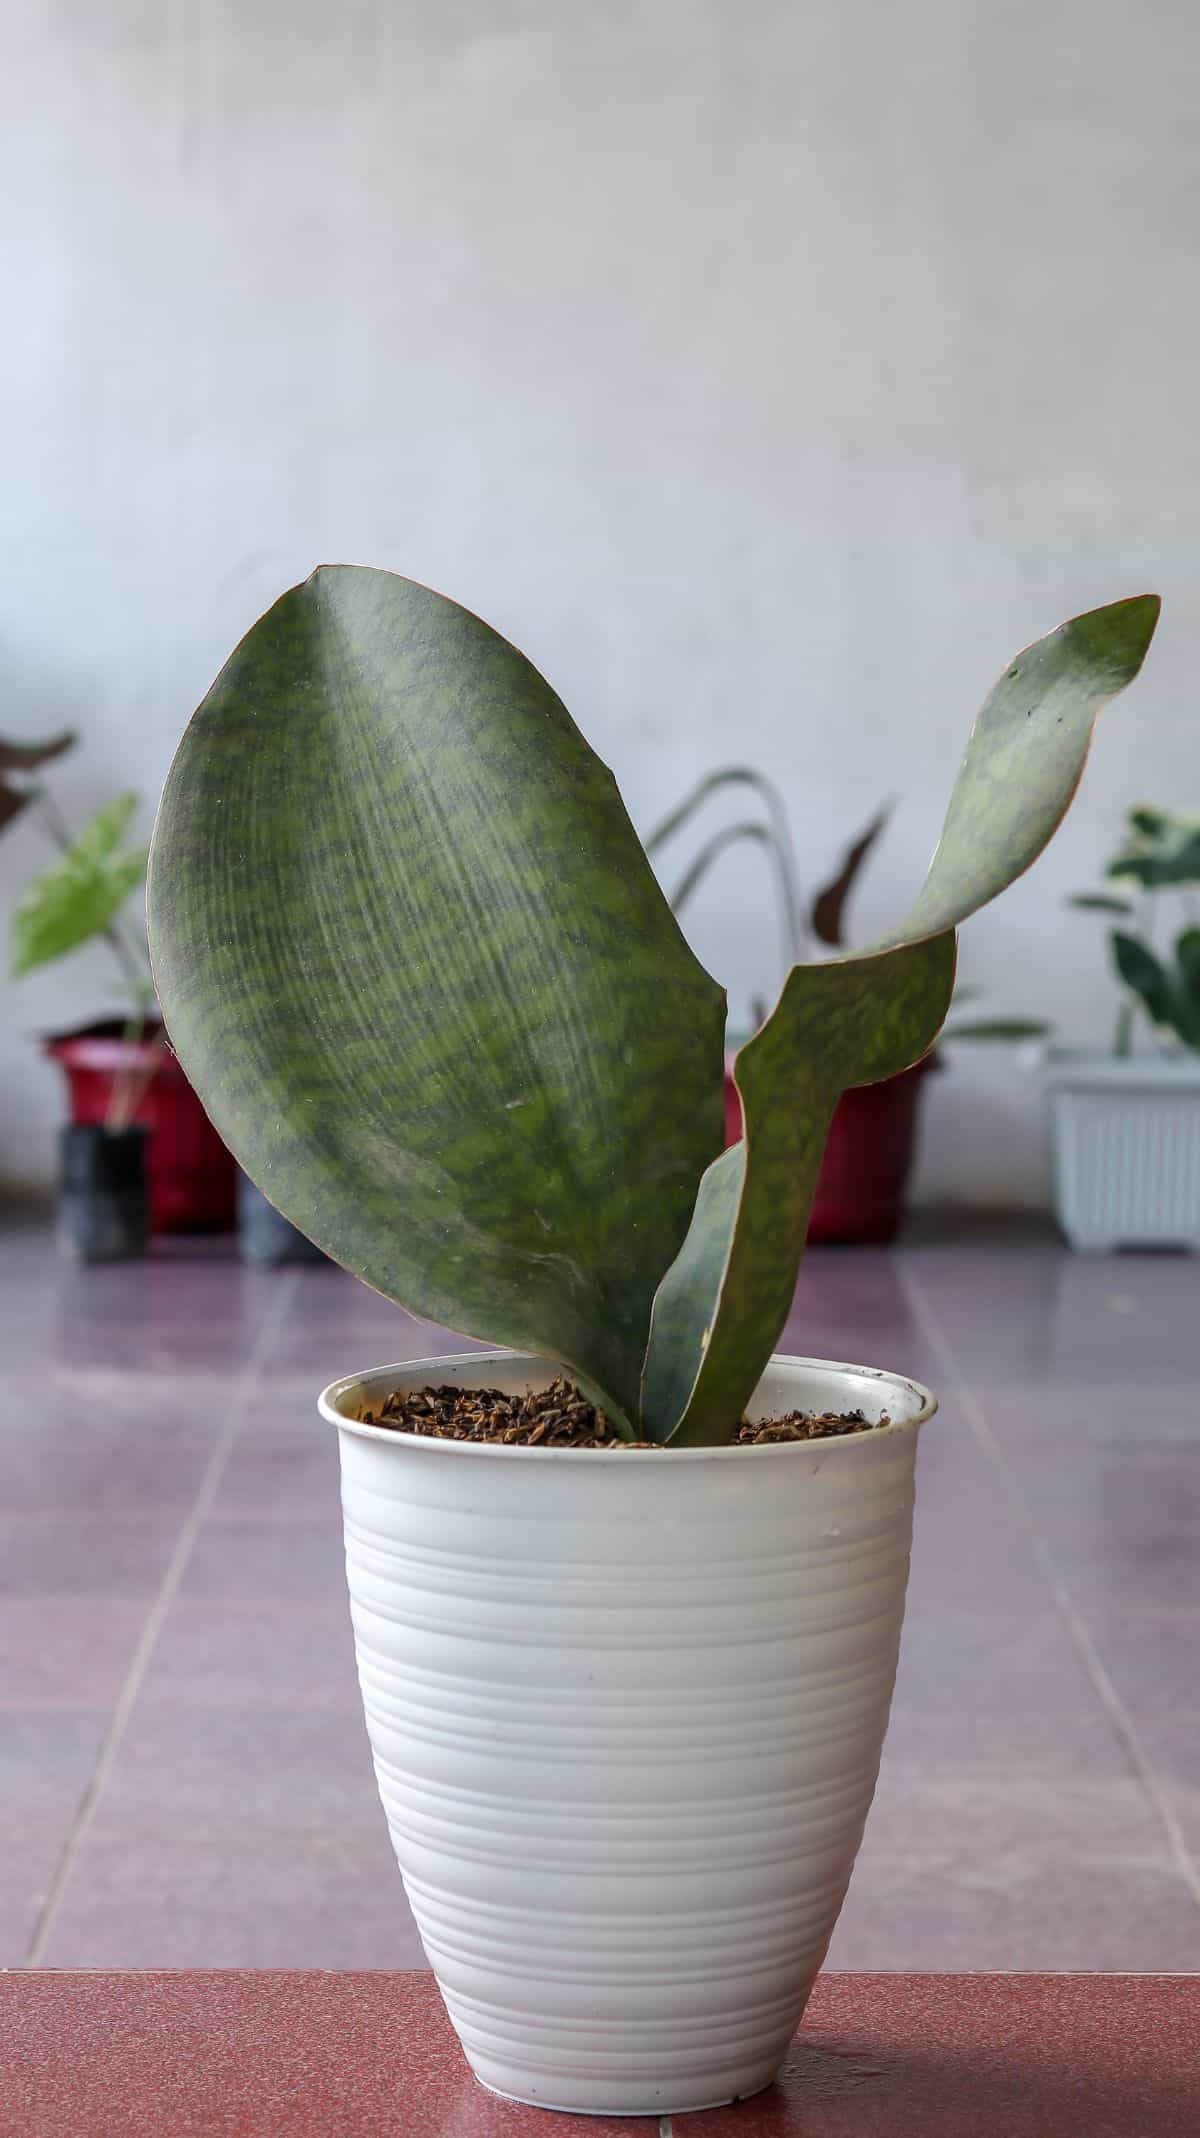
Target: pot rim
x,y
328,1399
103,1055
1094,1068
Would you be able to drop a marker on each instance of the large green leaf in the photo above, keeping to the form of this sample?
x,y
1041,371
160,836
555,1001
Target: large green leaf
x,y
414,960
81,895
723,1303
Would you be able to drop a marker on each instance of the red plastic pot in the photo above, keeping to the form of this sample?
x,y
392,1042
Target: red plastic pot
x,y
192,1177
868,1157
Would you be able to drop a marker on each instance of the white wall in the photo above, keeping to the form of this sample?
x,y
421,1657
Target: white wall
x,y
769,372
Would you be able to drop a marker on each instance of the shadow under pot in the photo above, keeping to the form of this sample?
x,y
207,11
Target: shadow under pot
x,y
103,1204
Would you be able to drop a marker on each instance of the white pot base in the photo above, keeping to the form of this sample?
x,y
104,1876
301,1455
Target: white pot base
x,y
644,2109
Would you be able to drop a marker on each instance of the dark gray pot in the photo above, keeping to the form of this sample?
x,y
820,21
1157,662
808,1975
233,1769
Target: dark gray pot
x,y
103,1202
265,1236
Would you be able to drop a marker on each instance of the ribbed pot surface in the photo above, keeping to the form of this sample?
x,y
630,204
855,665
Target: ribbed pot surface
x,y
626,1711
1127,1151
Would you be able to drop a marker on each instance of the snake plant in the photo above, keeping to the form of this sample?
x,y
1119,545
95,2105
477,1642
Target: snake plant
x,y
414,960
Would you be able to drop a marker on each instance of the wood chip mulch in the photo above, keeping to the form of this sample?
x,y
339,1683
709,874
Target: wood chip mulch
x,y
559,1417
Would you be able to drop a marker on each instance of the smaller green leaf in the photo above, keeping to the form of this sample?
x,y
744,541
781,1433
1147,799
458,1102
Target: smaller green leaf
x,y
81,895
722,1303
1151,822
1160,872
103,833
1187,953
855,1020
1162,850
1184,981
1099,902
1142,971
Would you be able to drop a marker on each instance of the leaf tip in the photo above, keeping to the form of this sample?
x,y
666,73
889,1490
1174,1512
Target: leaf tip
x,y
1117,637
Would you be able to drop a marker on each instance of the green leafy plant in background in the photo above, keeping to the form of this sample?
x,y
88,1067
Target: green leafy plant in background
x,y
1161,854
823,920
82,896
414,960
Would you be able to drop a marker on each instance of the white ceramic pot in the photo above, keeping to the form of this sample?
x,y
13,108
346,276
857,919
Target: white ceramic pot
x,y
626,1711
1126,1138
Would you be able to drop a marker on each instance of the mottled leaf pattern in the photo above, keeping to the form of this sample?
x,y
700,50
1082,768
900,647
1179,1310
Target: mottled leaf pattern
x,y
414,960
1025,756
721,1306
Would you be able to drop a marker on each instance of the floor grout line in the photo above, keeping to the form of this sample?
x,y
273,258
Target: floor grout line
x,y
155,1617
1182,1860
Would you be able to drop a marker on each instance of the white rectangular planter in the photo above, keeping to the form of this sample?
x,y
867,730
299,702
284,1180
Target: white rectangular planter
x,y
1126,1140
626,1712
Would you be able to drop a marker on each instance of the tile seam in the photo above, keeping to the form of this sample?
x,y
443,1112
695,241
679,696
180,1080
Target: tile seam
x,y
160,1604
1123,1725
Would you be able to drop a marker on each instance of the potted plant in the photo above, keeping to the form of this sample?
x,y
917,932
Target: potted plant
x,y
132,1108
871,1145
626,1698
1126,1125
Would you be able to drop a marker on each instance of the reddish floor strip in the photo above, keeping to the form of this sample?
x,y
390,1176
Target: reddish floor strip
x,y
276,2055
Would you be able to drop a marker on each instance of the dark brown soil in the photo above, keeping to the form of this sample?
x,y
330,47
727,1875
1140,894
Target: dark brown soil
x,y
559,1417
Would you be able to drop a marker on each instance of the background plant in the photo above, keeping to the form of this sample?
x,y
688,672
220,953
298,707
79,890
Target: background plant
x,y
1160,859
17,761
83,896
415,961
803,926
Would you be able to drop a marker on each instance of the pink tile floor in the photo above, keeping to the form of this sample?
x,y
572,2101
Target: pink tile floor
x,y
183,1766
356,2055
